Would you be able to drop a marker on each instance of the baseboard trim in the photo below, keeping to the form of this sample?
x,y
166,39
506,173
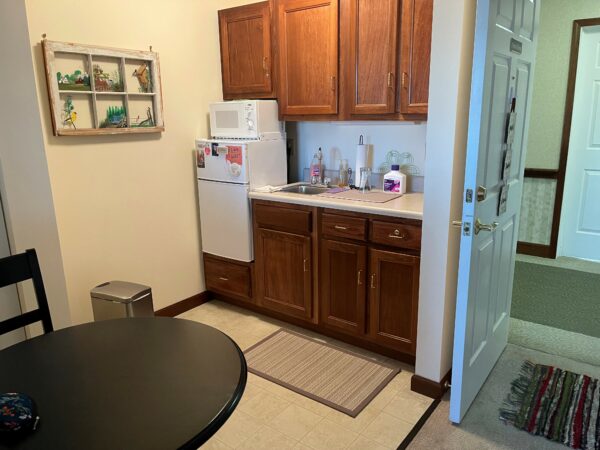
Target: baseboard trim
x,y
430,388
184,305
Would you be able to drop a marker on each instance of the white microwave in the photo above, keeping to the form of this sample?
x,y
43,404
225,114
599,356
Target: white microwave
x,y
245,119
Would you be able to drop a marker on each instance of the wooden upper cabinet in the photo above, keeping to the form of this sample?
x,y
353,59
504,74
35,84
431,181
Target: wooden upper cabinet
x,y
372,62
246,61
307,45
415,54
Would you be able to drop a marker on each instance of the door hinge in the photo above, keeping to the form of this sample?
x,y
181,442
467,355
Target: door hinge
x,y
481,193
469,196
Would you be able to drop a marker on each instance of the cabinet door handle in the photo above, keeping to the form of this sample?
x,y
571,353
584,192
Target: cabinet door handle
x,y
404,77
397,235
341,228
223,279
306,265
372,281
333,84
359,277
391,80
265,67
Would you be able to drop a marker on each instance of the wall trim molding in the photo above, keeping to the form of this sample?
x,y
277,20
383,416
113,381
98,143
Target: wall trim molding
x,y
429,388
184,305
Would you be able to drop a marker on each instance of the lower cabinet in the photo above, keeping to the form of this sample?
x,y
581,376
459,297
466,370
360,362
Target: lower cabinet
x,y
393,299
283,272
354,276
342,286
227,277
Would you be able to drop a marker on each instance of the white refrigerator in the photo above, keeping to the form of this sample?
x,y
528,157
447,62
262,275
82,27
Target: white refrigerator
x,y
227,170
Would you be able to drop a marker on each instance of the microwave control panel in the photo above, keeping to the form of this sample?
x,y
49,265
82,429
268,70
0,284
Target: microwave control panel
x,y
250,112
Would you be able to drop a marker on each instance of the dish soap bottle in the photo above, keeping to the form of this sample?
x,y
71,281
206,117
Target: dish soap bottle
x,y
316,168
394,181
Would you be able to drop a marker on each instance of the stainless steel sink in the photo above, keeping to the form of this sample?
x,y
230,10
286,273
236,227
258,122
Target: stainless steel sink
x,y
305,189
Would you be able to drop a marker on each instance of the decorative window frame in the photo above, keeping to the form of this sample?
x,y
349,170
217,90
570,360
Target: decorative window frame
x,y
123,58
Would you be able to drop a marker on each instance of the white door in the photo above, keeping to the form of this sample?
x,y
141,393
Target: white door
x,y
580,218
505,38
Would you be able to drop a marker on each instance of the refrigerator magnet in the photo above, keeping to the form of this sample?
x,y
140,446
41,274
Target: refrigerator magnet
x,y
200,159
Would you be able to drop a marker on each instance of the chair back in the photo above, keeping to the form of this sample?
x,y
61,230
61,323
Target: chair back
x,y
15,269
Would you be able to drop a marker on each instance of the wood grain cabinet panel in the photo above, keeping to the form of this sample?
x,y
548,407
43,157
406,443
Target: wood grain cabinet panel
x,y
228,277
284,272
371,75
396,234
393,299
335,225
415,55
246,60
342,286
307,42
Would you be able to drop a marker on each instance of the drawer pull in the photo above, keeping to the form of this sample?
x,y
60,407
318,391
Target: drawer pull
x,y
341,228
372,281
397,235
223,279
359,278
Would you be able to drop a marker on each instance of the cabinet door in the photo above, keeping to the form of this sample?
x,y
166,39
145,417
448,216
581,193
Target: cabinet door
x,y
394,296
284,272
343,293
307,36
373,56
415,43
246,51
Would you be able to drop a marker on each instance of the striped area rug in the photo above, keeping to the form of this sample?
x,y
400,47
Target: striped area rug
x,y
557,404
331,375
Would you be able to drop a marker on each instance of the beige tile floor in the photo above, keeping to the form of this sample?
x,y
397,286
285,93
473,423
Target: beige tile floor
x,y
272,417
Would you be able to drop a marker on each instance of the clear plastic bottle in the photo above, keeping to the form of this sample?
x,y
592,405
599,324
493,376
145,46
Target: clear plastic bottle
x,y
394,181
316,168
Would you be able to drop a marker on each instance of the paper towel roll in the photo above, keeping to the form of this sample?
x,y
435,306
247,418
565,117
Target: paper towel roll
x,y
362,155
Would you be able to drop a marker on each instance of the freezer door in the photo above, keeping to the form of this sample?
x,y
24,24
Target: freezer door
x,y
222,161
225,221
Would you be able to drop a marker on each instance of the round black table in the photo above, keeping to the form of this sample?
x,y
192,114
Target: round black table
x,y
147,383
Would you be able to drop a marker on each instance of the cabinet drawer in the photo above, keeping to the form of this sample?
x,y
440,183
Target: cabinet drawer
x,y
344,227
396,235
283,218
227,277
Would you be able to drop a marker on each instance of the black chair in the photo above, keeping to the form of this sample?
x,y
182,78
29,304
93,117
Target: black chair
x,y
22,267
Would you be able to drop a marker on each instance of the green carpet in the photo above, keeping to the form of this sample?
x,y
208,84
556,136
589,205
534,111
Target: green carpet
x,y
557,297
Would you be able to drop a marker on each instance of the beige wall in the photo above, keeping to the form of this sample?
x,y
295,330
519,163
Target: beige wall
x,y
551,74
126,206
24,182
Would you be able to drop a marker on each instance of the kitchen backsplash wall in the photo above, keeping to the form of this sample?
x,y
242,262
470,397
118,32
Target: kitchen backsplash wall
x,y
339,140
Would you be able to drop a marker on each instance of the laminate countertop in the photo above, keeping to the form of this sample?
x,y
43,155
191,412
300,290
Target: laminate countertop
x,y
408,206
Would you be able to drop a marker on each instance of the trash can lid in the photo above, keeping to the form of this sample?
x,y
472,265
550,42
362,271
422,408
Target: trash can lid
x,y
120,291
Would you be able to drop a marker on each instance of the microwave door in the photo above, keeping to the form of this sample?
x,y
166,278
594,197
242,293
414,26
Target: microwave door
x,y
226,162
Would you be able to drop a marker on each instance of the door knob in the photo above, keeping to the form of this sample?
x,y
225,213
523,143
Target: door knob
x,y
485,227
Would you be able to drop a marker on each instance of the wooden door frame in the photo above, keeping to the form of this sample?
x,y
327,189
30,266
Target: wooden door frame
x,y
550,250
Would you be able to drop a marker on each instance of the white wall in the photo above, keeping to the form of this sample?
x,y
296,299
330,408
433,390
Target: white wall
x,y
25,184
451,62
339,140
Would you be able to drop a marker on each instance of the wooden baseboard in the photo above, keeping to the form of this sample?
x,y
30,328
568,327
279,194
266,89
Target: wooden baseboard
x,y
184,305
430,388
